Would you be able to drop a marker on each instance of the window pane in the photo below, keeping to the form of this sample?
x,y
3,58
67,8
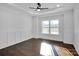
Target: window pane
x,y
45,27
45,30
54,30
45,23
54,27
54,23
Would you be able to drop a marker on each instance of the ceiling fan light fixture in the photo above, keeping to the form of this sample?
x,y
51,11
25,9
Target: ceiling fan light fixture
x,y
38,9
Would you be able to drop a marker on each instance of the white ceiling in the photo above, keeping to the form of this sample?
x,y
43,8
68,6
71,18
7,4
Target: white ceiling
x,y
25,7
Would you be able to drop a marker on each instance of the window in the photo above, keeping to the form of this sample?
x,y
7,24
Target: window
x,y
50,27
54,27
45,27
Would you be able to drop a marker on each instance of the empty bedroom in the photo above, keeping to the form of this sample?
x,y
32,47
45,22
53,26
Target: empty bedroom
x,y
39,29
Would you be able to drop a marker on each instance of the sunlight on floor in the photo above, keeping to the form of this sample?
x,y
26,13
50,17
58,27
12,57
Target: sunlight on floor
x,y
46,49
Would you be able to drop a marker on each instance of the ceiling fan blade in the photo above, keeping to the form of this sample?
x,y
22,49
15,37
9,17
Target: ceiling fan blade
x,y
43,8
35,10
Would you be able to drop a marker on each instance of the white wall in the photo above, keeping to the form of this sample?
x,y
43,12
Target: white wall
x,y
15,25
35,26
68,27
76,27
65,26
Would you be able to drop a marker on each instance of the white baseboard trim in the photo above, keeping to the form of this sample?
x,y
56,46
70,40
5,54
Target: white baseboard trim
x,y
76,47
15,43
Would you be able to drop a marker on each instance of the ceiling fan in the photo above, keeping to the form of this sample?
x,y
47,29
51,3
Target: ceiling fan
x,y
38,8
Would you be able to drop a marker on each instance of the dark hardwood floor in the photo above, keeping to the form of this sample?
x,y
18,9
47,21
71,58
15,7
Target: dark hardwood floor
x,y
39,47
